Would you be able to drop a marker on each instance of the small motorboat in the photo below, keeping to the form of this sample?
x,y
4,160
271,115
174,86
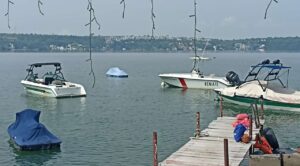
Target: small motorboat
x,y
195,79
263,84
116,72
52,84
27,133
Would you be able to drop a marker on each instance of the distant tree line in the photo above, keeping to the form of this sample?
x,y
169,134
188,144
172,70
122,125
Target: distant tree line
x,y
60,43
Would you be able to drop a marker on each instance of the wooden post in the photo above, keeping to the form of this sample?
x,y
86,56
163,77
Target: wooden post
x,y
262,107
254,114
221,106
226,156
155,160
197,135
250,127
257,121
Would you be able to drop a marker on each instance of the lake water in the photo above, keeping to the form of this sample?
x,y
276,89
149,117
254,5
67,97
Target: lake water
x,y
113,125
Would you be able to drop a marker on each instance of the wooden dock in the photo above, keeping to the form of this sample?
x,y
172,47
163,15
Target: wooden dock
x,y
208,149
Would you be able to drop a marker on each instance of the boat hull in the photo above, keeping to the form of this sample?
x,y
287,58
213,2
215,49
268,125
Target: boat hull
x,y
47,146
59,91
268,104
190,80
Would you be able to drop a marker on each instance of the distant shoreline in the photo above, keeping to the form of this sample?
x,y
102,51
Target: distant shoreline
x,y
136,44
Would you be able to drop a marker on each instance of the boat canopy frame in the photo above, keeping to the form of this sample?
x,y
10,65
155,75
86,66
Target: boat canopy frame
x,y
58,75
273,73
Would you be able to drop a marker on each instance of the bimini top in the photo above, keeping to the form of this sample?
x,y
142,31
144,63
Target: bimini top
x,y
267,70
58,75
28,133
44,64
116,72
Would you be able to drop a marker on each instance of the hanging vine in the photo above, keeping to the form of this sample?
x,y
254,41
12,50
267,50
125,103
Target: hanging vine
x,y
152,19
40,3
266,12
9,2
92,19
124,6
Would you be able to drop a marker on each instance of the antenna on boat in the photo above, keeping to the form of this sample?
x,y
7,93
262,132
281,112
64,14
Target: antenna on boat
x,y
92,19
9,2
204,48
195,34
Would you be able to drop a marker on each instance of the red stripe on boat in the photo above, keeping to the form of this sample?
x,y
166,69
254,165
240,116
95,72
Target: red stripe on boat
x,y
182,82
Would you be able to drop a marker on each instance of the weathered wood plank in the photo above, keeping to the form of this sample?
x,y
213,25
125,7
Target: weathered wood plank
x,y
208,150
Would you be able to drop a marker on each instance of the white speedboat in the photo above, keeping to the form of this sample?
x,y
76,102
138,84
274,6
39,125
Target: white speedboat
x,y
51,84
262,84
195,79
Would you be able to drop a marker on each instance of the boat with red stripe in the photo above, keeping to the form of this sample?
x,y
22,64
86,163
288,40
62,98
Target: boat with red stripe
x,y
193,80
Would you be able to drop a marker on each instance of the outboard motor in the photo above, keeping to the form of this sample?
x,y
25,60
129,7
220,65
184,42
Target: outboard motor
x,y
267,61
271,138
276,61
233,78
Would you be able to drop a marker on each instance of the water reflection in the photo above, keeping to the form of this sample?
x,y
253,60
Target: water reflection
x,y
52,104
32,158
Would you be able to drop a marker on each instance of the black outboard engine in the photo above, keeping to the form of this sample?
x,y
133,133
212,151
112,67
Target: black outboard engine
x,y
271,138
276,61
267,61
233,78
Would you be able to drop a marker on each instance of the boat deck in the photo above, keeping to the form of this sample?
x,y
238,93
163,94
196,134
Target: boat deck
x,y
209,148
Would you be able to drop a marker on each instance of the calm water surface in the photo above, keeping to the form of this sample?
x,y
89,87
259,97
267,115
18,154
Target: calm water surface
x,y
113,125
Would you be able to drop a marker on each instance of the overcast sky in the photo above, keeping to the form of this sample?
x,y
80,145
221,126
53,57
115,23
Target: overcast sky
x,y
222,19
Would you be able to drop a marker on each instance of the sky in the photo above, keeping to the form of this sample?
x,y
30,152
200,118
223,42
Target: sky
x,y
218,19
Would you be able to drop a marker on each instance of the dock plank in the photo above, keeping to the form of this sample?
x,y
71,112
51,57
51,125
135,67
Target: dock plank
x,y
208,149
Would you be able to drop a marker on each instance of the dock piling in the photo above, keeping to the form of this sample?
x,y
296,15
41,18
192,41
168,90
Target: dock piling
x,y
197,134
226,155
250,127
155,160
221,106
262,107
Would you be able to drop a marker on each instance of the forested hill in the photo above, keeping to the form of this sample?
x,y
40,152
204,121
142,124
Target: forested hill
x,y
59,43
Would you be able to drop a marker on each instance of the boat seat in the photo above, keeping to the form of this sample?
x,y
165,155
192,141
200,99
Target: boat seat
x,y
58,82
48,80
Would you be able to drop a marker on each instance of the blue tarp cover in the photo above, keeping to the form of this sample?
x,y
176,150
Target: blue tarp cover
x,y
116,72
27,131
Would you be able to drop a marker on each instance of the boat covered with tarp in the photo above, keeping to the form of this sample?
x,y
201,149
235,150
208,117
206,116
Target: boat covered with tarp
x,y
116,72
27,133
263,84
